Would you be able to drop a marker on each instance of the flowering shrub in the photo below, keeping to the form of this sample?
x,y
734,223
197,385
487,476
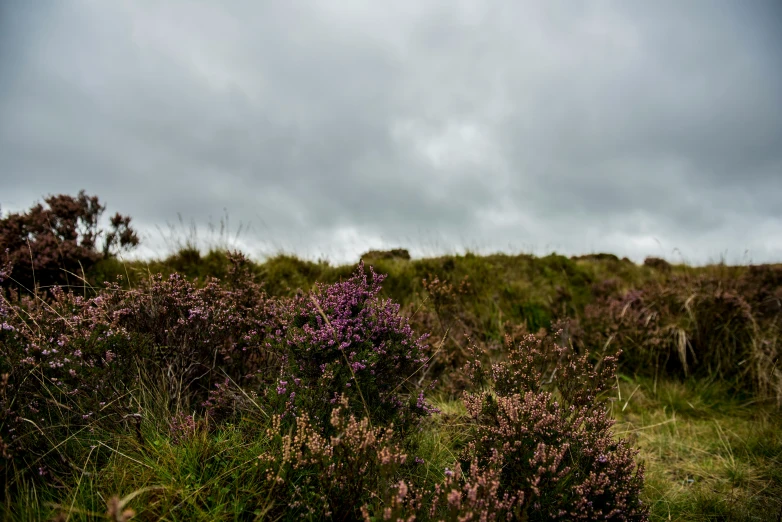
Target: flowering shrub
x,y
328,477
475,495
546,433
183,428
304,405
67,359
61,368
194,332
460,497
343,339
542,447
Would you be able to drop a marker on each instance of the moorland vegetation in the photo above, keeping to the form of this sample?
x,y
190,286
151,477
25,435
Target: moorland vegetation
x,y
208,386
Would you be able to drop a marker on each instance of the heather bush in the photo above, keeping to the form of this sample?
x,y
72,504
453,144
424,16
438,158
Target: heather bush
x,y
198,333
542,446
459,497
193,398
544,428
48,244
343,339
64,372
70,363
184,427
328,477
474,496
194,333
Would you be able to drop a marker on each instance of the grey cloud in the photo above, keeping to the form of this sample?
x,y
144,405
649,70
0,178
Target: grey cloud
x,y
334,127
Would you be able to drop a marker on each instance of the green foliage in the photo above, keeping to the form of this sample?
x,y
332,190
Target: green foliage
x,y
708,453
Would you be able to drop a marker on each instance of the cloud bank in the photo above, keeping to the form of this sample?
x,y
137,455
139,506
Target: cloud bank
x,y
329,128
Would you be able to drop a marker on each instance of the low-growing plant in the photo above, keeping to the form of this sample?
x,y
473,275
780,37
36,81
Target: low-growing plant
x,y
459,497
343,339
328,477
544,427
70,363
64,371
710,326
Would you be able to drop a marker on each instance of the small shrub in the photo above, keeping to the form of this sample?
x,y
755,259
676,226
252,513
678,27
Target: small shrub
x,y
67,360
328,477
344,339
183,427
195,332
224,402
474,496
545,431
64,370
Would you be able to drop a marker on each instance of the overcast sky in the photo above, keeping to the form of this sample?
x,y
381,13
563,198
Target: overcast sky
x,y
330,127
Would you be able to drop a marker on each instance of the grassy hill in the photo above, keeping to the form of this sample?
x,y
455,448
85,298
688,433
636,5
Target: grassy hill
x,y
189,409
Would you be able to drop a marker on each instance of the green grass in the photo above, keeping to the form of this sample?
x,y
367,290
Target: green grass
x,y
211,477
708,455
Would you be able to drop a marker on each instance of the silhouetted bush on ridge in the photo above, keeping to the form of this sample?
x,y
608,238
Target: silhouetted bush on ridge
x,y
49,243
